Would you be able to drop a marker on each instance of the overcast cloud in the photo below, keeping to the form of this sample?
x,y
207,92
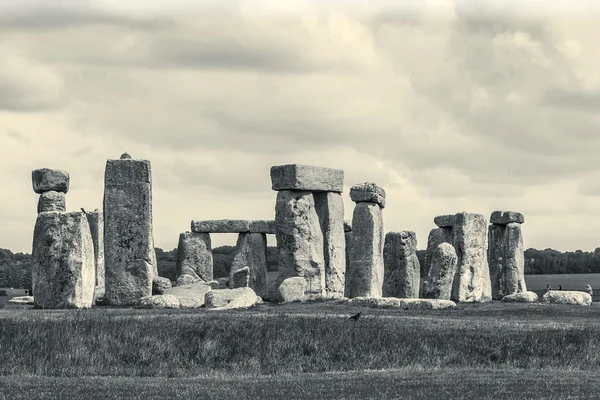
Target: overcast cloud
x,y
450,106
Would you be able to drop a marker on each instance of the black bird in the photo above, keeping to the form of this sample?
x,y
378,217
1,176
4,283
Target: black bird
x,y
355,317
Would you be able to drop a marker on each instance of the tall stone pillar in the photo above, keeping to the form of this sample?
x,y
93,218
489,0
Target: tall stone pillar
x,y
96,222
194,256
366,264
402,270
251,252
348,241
129,256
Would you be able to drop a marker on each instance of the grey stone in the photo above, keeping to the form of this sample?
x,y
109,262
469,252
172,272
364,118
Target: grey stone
x,y
223,283
160,284
52,201
189,271
506,260
404,304
25,300
228,299
159,302
221,226
567,297
436,237
46,179
260,226
366,264
522,297
444,221
240,278
251,252
62,261
194,252
347,226
190,302
96,220
348,240
368,192
190,294
125,156
402,271
307,178
438,284
330,209
186,279
506,217
130,261
300,241
292,289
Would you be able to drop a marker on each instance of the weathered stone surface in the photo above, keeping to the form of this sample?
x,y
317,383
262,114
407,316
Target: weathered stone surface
x,y
195,291
130,261
368,192
159,302
25,300
330,209
438,284
223,283
251,252
190,272
347,226
444,221
567,297
190,302
62,261
160,284
46,179
292,289
194,252
406,304
96,221
366,265
260,226
402,271
522,297
221,226
186,279
300,241
348,240
52,201
307,178
227,299
436,237
472,281
506,259
506,217
240,278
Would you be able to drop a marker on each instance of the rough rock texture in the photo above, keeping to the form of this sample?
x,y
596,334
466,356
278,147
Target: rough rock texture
x,y
160,284
62,261
159,302
436,237
96,221
567,297
444,221
402,271
506,217
292,289
130,261
190,302
240,278
307,178
523,297
223,283
260,226
227,299
406,304
195,291
472,280
330,209
26,300
348,240
194,252
368,192
300,241
52,201
347,226
366,264
506,258
186,279
221,226
46,179
251,252
438,284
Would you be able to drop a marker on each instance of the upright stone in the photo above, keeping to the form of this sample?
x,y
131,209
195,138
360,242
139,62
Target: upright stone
x,y
63,261
402,271
128,238
300,241
436,237
194,254
251,252
348,240
52,201
506,259
330,209
438,284
96,222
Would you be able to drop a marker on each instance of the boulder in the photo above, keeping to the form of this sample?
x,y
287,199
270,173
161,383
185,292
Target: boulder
x,y
52,201
227,299
438,284
307,178
522,297
25,300
160,284
405,304
223,283
506,217
368,192
292,289
567,297
194,254
196,291
186,279
240,278
190,302
251,253
46,179
444,221
158,302
402,271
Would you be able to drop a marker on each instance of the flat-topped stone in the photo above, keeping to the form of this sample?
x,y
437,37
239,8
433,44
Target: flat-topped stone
x,y
506,217
307,177
233,226
46,179
368,192
444,221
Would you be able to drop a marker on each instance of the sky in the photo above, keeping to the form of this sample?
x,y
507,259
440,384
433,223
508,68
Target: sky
x,y
449,106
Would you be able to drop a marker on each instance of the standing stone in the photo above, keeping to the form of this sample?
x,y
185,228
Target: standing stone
x,y
506,258
128,238
330,209
63,261
52,201
436,237
251,252
300,241
194,252
348,240
402,271
240,278
46,179
96,222
441,274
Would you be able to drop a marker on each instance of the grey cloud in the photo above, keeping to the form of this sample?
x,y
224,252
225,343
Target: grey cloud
x,y
587,101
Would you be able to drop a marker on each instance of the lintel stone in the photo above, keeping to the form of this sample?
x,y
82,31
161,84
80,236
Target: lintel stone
x,y
506,217
307,177
233,226
444,221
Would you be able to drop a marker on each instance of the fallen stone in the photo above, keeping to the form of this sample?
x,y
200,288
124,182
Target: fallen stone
x,y
406,304
567,297
347,226
228,299
523,297
186,279
444,221
190,302
160,284
402,271
96,221
223,283
240,278
25,300
438,284
195,291
45,180
194,252
158,302
307,178
263,227
368,192
292,289
251,253
506,217
221,226
52,201
62,261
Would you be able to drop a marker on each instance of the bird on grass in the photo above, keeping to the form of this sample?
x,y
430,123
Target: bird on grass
x,y
355,317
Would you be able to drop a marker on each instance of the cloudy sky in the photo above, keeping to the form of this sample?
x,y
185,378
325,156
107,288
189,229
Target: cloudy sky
x,y
450,106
